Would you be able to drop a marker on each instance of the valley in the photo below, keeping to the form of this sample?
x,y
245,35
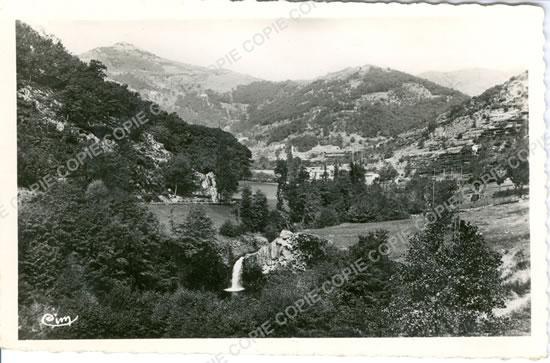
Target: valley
x,y
239,195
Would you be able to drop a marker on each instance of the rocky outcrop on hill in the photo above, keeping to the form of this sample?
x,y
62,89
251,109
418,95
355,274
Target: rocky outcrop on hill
x,y
488,124
247,244
207,183
153,149
292,251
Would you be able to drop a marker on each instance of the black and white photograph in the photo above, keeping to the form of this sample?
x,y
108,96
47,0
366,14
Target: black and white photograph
x,y
296,177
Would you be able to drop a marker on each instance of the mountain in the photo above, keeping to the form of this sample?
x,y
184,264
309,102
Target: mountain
x,y
66,108
472,81
481,130
368,100
343,109
195,93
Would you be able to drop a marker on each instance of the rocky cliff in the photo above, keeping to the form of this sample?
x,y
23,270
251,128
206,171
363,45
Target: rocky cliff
x,y
488,124
294,251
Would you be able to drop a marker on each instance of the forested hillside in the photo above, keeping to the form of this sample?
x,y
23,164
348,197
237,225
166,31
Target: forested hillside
x,y
367,100
66,105
87,150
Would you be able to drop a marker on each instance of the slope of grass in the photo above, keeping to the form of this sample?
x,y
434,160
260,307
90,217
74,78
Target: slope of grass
x,y
503,226
178,212
506,230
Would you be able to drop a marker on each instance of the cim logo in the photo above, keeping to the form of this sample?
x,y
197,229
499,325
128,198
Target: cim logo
x,y
55,321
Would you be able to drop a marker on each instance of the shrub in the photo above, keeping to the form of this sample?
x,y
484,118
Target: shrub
x,y
313,248
507,193
271,232
229,229
328,217
253,278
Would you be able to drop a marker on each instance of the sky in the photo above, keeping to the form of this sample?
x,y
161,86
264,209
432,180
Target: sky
x,y
309,48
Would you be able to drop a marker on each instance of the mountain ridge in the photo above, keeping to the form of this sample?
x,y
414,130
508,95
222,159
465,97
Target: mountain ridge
x,y
351,108
471,81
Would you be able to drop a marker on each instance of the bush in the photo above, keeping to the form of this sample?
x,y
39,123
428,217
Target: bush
x,y
253,278
328,217
271,232
229,229
509,192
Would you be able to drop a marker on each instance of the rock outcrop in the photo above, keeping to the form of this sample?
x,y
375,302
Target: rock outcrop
x,y
246,244
208,186
292,251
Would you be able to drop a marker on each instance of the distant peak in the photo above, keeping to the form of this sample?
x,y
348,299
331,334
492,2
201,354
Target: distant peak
x,y
361,70
124,45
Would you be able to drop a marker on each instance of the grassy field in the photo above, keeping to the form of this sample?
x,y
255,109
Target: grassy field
x,y
178,212
506,230
218,213
269,189
504,227
347,234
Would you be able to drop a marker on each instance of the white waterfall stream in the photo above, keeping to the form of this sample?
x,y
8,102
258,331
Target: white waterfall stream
x,y
236,276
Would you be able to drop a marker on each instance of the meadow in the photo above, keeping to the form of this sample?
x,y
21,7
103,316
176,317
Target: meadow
x,y
504,226
506,230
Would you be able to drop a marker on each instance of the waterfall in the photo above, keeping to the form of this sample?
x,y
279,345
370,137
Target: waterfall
x,y
236,277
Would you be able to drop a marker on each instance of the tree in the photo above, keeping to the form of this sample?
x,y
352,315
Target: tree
x,y
259,212
500,178
281,170
418,193
518,172
432,125
228,173
197,254
311,202
198,225
179,174
387,173
339,141
356,173
326,218
477,170
245,210
449,284
444,190
277,222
